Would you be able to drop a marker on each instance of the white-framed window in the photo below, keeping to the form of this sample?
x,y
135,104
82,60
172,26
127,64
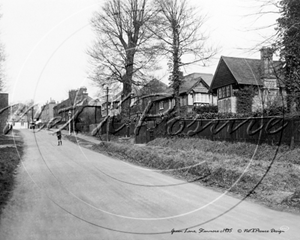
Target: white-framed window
x,y
161,105
201,98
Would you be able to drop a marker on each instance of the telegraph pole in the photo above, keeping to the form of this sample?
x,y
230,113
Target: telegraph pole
x,y
70,114
107,122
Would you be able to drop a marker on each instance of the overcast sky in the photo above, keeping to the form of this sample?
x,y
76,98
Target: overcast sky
x,y
46,41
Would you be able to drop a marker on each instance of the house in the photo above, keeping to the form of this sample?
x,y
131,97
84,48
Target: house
x,y
141,101
235,74
48,112
75,97
20,117
79,100
109,104
111,99
193,92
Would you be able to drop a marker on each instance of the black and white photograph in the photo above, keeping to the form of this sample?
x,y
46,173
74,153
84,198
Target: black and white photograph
x,y
149,119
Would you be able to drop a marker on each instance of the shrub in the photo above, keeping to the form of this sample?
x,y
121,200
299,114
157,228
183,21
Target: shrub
x,y
9,160
206,109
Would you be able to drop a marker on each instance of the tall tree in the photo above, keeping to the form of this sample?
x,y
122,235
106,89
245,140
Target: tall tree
x,y
123,49
182,34
289,46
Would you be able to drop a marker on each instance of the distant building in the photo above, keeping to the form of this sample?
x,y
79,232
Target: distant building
x,y
75,97
18,117
90,109
48,111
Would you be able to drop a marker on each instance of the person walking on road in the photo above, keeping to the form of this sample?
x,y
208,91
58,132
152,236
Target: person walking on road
x,y
59,141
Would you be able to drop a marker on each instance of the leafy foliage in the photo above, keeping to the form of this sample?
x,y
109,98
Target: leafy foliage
x,y
245,99
206,109
289,45
9,160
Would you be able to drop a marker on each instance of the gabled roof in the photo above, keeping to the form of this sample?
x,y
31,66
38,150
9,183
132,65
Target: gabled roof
x,y
233,70
67,104
245,71
197,82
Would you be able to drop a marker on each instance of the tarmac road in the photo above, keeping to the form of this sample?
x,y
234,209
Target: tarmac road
x,y
68,192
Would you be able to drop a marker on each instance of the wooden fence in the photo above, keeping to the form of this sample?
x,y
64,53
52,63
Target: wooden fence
x,y
271,130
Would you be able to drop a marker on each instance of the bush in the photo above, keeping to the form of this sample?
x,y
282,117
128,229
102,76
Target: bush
x,y
9,160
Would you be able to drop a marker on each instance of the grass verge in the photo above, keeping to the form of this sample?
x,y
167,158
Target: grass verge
x,y
11,146
266,174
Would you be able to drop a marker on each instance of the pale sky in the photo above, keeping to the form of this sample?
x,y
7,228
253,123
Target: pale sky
x,y
46,41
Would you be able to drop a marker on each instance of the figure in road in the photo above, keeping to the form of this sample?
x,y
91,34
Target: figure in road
x,y
59,141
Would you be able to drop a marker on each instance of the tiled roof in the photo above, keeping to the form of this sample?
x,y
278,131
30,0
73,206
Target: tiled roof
x,y
200,89
191,81
245,71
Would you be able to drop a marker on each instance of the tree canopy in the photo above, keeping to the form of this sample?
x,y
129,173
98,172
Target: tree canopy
x,y
288,43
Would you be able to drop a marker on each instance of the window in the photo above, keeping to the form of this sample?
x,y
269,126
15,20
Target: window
x,y
183,101
201,98
161,105
227,91
204,98
219,93
224,92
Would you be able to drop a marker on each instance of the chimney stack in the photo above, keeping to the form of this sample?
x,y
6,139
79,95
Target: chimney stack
x,y
266,56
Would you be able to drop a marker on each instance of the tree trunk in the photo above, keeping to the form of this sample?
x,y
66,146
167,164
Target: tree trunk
x,y
175,72
127,86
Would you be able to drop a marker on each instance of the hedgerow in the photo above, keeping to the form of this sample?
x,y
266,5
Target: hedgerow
x,y
9,160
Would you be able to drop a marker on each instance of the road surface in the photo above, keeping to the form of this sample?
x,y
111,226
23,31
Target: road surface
x,y
68,192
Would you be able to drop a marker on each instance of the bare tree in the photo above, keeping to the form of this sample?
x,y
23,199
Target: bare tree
x,y
264,12
124,48
181,34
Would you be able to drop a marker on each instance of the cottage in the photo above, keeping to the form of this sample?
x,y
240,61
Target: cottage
x,y
236,74
193,92
48,112
79,99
